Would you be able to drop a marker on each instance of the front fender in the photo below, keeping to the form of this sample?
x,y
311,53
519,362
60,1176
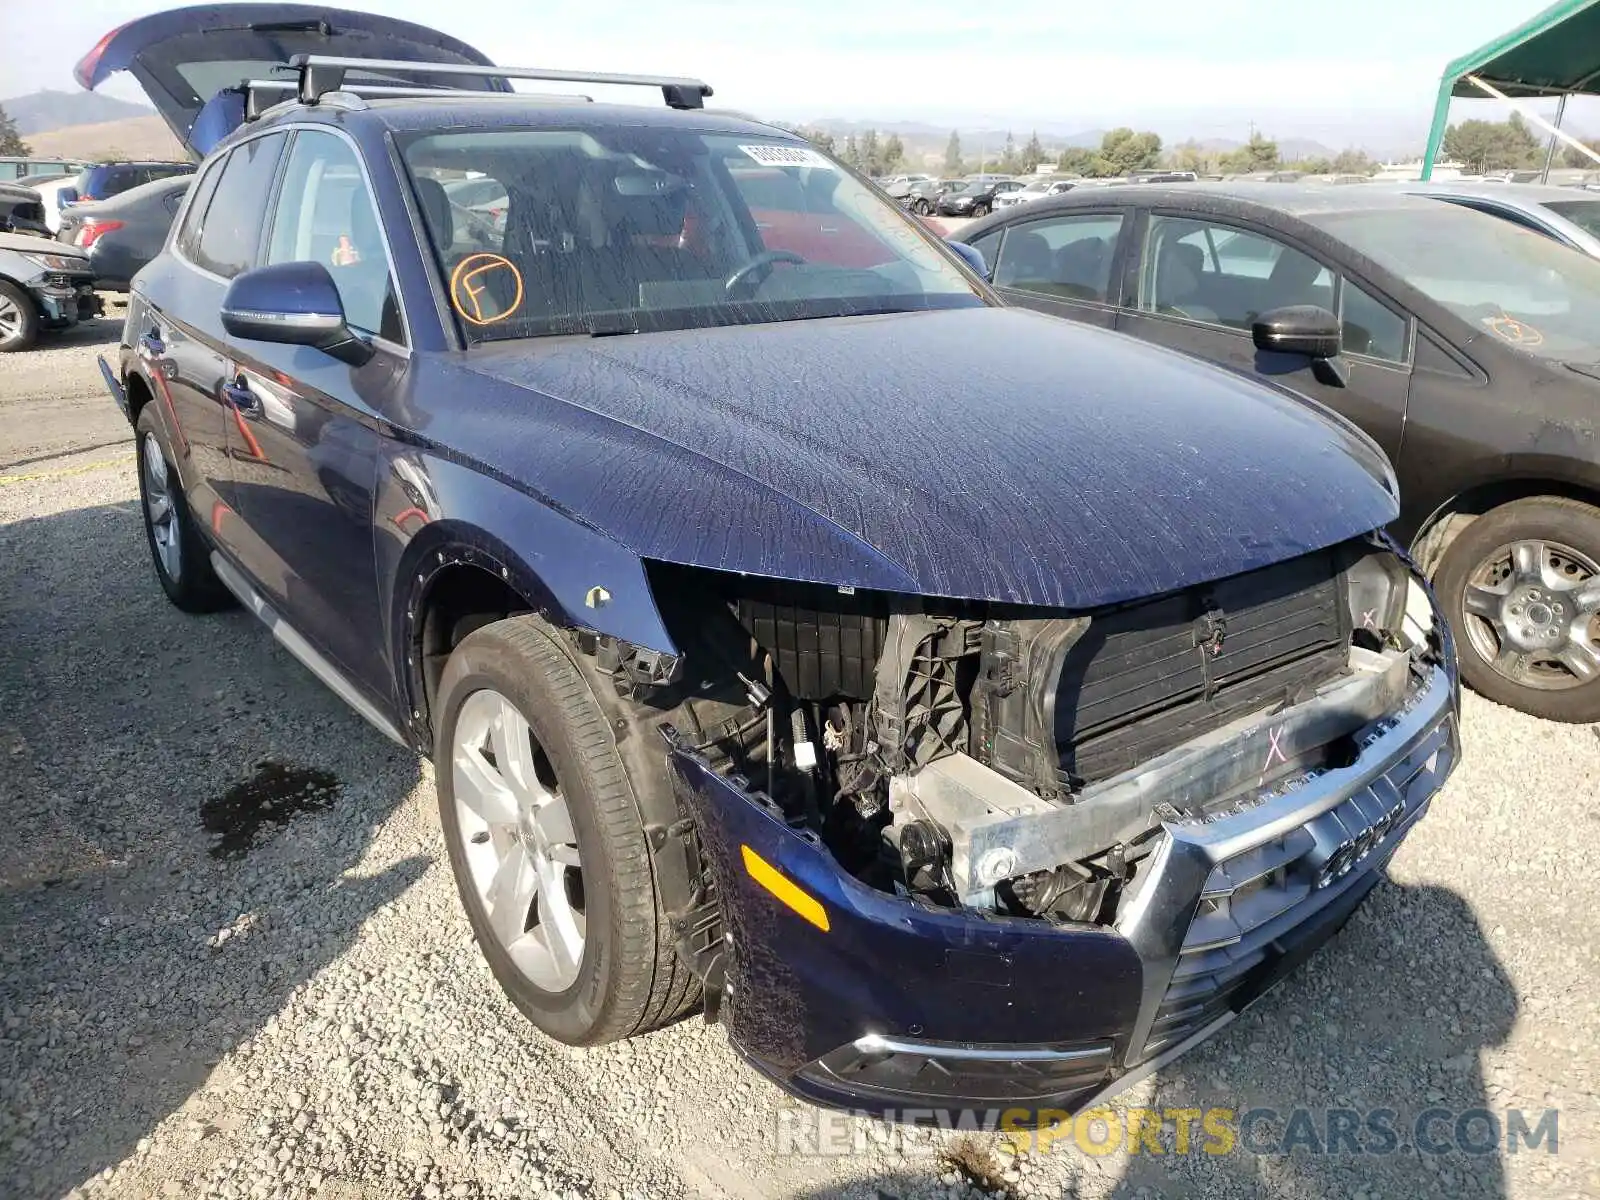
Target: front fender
x,y
432,513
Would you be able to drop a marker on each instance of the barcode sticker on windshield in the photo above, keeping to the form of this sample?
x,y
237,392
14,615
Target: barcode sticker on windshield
x,y
787,156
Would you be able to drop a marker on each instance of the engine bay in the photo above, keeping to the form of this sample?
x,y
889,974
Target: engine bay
x,y
1023,762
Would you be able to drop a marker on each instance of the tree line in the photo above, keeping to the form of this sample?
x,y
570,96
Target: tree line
x,y
11,143
1121,151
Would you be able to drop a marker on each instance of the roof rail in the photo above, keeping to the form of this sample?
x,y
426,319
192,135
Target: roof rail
x,y
321,74
263,94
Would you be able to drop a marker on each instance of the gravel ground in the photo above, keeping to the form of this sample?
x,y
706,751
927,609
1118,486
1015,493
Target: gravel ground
x,y
202,995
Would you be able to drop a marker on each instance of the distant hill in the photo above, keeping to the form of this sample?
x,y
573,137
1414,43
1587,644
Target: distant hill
x,y
48,110
138,137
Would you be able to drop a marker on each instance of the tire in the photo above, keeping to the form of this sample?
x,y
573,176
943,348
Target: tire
x,y
922,208
625,977
179,551
1520,587
19,319
980,210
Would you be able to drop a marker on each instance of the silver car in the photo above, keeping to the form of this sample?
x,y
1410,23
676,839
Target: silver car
x,y
1569,215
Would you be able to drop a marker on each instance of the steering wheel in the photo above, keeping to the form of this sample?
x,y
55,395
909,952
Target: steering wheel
x,y
759,267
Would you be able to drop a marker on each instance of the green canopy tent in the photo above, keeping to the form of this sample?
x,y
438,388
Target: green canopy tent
x,y
1556,53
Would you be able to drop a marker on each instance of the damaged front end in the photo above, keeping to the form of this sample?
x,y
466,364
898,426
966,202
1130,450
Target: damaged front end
x,y
968,857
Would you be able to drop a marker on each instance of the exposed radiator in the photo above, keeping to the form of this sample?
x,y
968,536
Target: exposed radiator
x,y
1152,676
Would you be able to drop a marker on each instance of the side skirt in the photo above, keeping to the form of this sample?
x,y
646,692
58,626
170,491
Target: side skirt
x,y
297,645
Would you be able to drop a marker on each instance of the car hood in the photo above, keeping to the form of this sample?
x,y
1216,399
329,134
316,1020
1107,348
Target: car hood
x,y
38,245
981,453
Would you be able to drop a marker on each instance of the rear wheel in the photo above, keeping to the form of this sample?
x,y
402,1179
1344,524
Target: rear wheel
x,y
181,555
1521,587
980,210
546,843
922,208
19,319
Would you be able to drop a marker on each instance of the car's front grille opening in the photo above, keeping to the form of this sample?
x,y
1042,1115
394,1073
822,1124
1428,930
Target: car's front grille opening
x,y
1149,677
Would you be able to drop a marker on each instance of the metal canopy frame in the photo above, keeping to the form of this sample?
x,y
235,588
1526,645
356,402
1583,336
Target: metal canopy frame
x,y
1554,53
321,74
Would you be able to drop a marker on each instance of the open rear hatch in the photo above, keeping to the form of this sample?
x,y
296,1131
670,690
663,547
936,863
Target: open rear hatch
x,y
192,61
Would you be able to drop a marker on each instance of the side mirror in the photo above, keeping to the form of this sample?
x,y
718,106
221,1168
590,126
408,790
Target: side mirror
x,y
295,304
973,257
66,196
1297,329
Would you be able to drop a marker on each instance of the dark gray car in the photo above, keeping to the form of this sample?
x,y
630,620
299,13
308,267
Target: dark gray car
x,y
123,233
43,285
1466,346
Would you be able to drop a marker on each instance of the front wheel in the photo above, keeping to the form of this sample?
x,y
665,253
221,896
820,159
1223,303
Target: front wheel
x,y
1521,588
19,319
980,210
922,208
546,843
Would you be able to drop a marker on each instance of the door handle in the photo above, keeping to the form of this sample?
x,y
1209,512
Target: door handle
x,y
239,395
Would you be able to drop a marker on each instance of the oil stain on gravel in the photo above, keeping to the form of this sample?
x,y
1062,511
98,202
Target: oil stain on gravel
x,y
270,798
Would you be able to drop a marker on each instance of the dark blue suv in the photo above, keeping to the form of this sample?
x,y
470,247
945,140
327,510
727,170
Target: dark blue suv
x,y
970,709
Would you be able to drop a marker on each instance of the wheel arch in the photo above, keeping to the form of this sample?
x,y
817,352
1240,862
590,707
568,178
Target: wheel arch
x,y
1442,526
458,547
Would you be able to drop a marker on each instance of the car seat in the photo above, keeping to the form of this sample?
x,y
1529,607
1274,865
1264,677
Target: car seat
x,y
1176,286
1024,258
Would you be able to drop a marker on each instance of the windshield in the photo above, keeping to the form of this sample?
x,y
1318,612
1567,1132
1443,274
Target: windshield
x,y
637,229
1525,289
1585,214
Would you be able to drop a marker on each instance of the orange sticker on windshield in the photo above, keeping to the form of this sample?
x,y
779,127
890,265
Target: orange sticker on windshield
x,y
1516,332
477,285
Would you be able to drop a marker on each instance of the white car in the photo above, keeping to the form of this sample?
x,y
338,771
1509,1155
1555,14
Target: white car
x,y
52,206
1038,189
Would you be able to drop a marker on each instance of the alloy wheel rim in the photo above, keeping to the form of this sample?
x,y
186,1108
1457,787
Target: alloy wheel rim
x,y
10,319
518,840
1533,614
160,510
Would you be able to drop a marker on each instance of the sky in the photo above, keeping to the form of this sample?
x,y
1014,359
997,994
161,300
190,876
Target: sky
x,y
1359,72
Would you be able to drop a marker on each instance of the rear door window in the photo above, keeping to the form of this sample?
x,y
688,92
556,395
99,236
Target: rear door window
x,y
231,233
188,240
1068,258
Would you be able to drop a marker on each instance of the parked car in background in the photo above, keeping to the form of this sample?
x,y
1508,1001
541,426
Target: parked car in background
x,y
1569,215
827,645
1467,347
921,197
14,169
975,197
899,186
22,211
43,287
50,195
1035,189
1161,176
101,181
482,196
122,234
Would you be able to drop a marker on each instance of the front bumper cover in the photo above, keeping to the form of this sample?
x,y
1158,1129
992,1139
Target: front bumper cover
x,y
65,298
903,1009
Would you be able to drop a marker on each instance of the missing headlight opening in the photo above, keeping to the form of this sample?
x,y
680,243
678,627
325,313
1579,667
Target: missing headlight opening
x,y
1022,762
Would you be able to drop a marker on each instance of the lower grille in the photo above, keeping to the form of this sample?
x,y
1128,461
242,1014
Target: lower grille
x,y
1152,676
1263,909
